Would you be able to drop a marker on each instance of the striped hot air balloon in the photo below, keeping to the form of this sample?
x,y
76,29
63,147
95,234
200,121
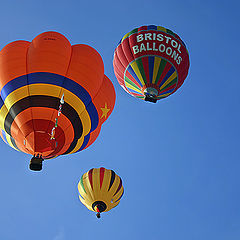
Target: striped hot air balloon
x,y
151,62
100,190
54,97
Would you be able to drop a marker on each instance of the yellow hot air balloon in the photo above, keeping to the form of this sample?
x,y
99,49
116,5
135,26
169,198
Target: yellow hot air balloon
x,y
100,190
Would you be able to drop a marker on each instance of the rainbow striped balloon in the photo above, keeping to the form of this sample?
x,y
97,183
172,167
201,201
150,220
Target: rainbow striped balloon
x,y
151,62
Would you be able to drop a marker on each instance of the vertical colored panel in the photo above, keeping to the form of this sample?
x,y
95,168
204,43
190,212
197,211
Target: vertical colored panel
x,y
160,70
169,73
146,69
151,68
112,179
102,171
90,176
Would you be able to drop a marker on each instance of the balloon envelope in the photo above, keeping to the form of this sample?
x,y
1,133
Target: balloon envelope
x,y
100,189
151,62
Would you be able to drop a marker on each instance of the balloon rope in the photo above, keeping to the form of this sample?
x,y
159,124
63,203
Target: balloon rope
x,y
56,119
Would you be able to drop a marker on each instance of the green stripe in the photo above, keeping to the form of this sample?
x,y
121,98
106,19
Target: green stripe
x,y
133,31
160,97
140,97
131,83
141,69
160,69
170,32
81,182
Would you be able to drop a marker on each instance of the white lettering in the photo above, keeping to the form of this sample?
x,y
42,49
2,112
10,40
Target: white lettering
x,y
179,48
174,55
148,48
161,48
142,47
174,43
154,36
148,36
135,49
167,39
160,37
179,60
154,47
139,38
169,51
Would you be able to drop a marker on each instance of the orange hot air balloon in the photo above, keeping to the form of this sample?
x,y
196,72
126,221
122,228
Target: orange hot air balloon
x,y
54,97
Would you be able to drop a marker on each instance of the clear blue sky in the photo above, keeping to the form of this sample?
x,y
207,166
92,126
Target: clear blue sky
x,y
183,184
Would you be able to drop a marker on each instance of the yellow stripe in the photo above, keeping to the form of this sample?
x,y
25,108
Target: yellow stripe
x,y
174,75
78,145
136,70
3,113
125,36
161,29
157,61
132,87
117,196
165,95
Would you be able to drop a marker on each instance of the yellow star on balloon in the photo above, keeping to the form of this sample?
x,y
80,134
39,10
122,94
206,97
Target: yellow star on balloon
x,y
105,111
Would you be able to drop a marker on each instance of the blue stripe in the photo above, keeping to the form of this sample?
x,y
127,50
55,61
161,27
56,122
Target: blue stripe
x,y
85,142
151,67
131,71
152,27
57,80
5,137
1,102
169,91
169,73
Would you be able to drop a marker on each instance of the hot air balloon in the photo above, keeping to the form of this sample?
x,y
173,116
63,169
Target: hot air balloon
x,y
100,190
151,62
54,97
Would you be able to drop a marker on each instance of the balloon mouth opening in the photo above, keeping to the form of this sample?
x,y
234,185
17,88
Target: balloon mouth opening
x,y
99,206
150,94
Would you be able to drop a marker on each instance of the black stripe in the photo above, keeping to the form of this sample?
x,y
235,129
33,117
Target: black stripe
x,y
48,102
72,146
112,179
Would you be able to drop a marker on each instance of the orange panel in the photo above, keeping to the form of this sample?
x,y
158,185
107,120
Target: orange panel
x,y
49,52
93,136
86,68
13,61
105,100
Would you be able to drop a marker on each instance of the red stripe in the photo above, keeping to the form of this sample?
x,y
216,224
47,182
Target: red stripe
x,y
146,68
102,170
90,177
142,28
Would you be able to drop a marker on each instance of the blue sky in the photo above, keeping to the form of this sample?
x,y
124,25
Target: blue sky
x,y
178,159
